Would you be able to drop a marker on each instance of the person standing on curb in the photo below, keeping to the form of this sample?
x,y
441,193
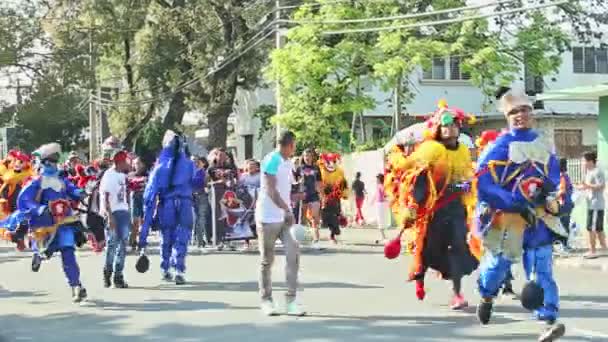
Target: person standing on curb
x,y
359,190
115,208
274,218
594,184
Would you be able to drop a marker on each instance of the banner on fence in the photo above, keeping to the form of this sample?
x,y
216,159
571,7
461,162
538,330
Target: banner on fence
x,y
233,208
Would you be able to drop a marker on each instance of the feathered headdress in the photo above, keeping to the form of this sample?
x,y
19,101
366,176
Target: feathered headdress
x,y
444,116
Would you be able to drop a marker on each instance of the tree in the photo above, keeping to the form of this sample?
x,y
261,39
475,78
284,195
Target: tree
x,y
51,114
167,55
50,111
317,71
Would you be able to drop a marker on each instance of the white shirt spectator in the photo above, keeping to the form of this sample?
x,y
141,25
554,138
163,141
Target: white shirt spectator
x,y
274,165
113,183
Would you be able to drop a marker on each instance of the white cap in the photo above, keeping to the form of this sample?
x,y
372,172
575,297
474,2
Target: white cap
x,y
513,99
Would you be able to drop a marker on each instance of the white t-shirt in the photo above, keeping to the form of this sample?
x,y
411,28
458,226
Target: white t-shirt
x,y
274,165
115,184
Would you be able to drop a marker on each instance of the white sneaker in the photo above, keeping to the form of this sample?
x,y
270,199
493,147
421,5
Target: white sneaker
x,y
268,308
315,245
294,309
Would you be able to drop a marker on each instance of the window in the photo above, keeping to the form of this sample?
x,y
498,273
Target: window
x,y
590,60
248,146
455,72
446,69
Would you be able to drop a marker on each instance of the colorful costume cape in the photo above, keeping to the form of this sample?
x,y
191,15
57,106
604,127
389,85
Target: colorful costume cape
x,y
440,167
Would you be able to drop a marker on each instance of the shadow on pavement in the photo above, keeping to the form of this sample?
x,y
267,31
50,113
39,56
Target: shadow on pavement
x,y
61,327
596,299
563,312
164,305
342,328
253,286
4,293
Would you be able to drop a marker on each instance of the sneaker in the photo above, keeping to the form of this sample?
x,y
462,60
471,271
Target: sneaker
x,y
180,279
420,293
119,281
484,312
107,278
316,245
546,314
166,276
79,294
553,333
590,256
294,309
458,303
36,262
268,308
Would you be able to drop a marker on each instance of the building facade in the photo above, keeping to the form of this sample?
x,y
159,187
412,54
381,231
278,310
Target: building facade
x,y
571,125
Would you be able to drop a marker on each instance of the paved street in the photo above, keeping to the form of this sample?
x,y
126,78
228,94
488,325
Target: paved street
x,y
352,294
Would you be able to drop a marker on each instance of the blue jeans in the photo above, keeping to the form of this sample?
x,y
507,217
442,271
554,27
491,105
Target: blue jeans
x,y
538,264
116,241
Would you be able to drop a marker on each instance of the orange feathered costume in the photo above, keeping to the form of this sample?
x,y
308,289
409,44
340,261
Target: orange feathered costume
x,y
440,167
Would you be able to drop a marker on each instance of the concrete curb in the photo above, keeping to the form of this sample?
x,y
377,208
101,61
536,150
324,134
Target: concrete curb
x,y
600,264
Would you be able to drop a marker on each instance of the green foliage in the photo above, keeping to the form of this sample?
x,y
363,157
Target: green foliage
x,y
150,139
265,114
371,145
51,114
319,74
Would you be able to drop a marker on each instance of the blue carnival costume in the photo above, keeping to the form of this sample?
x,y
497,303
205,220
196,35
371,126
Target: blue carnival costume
x,y
512,216
168,201
54,226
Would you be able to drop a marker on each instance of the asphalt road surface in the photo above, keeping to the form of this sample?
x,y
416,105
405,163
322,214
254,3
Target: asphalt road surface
x,y
351,294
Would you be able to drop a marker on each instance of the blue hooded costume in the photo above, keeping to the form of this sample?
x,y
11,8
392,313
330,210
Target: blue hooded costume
x,y
511,216
168,202
35,203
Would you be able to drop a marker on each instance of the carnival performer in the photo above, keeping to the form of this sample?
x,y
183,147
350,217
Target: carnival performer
x,y
53,224
168,196
13,179
431,197
334,190
516,213
485,139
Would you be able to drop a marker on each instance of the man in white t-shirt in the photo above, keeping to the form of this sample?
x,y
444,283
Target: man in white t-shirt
x,y
115,208
274,218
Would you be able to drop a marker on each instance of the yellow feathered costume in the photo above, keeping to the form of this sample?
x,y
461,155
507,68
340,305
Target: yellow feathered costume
x,y
441,167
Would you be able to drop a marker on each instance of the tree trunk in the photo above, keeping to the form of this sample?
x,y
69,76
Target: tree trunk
x,y
220,109
177,109
137,127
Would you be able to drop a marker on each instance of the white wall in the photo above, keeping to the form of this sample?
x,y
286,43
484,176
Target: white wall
x,y
566,78
370,164
246,104
461,94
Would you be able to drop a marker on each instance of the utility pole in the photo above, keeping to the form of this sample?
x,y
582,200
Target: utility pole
x,y
397,104
92,102
279,44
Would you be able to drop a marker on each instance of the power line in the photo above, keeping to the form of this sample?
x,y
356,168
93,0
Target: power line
x,y
140,90
398,17
188,83
446,21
